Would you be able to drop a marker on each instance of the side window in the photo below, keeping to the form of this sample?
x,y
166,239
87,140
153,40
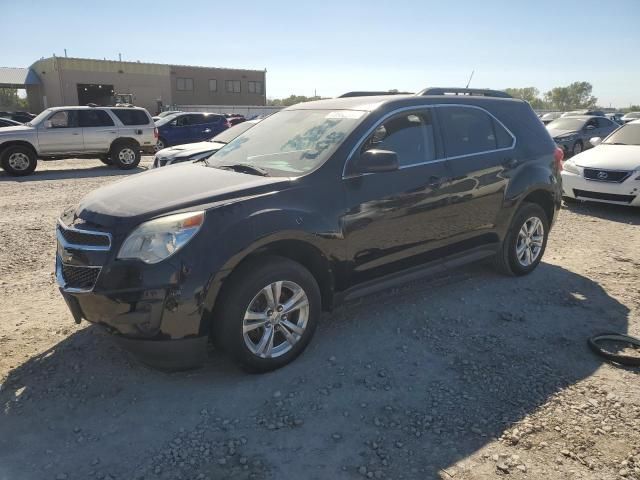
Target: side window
x,y
604,123
409,135
197,119
131,117
592,123
183,121
466,131
64,119
503,138
94,118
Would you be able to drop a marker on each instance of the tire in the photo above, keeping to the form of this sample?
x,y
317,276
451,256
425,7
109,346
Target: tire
x,y
626,360
18,161
106,159
245,293
160,144
577,148
125,155
512,259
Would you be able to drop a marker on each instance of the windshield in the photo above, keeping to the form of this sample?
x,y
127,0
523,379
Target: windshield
x,y
166,119
567,123
40,118
627,135
290,142
231,133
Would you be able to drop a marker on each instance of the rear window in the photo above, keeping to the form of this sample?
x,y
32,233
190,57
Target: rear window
x,y
131,116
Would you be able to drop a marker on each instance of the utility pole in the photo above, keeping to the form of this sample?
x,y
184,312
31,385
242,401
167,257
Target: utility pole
x,y
469,82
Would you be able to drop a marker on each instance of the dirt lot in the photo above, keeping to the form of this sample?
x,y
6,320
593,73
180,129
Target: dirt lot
x,y
466,376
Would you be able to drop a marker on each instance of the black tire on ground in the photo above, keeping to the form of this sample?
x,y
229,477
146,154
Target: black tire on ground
x,y
19,160
577,148
162,143
106,159
506,260
125,155
242,289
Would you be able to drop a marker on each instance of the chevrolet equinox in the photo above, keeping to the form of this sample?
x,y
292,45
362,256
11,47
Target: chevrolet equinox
x,y
319,203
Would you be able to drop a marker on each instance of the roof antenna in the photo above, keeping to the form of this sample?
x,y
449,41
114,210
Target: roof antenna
x,y
472,72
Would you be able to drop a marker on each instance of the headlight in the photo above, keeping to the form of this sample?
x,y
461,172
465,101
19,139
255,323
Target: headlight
x,y
570,167
155,240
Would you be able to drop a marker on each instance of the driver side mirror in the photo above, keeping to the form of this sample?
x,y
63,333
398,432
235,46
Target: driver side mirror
x,y
376,161
595,141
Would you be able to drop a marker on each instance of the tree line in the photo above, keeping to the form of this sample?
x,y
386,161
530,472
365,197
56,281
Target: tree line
x,y
574,96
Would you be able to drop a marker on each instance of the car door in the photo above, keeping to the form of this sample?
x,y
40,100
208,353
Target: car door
x,y
199,128
589,131
61,134
394,220
480,153
98,130
178,131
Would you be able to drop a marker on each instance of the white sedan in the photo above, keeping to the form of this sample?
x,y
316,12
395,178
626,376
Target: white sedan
x,y
609,173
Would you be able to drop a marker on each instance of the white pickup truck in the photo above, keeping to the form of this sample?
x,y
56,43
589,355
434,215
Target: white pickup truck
x,y
115,135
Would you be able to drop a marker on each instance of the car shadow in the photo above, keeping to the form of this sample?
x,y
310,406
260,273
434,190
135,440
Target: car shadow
x,y
405,383
72,173
606,211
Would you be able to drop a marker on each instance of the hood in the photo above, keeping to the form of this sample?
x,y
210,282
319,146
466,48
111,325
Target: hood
x,y
555,132
189,149
610,157
17,129
162,190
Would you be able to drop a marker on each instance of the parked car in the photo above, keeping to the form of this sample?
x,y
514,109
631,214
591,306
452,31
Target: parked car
x,y
115,135
572,134
235,119
630,117
609,173
579,113
550,117
7,122
615,117
189,127
21,117
321,202
199,150
165,114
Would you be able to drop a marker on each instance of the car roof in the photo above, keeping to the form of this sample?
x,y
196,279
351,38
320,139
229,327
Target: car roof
x,y
82,107
369,104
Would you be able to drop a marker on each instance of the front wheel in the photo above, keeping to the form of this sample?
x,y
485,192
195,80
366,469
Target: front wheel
x,y
19,161
525,242
268,314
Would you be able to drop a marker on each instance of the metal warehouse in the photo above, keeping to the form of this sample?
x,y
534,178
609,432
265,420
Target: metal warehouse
x,y
56,81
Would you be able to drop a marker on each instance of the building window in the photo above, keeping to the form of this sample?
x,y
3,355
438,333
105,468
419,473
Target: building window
x,y
213,85
255,87
233,86
184,84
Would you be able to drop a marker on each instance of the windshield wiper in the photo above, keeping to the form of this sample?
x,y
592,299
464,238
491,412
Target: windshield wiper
x,y
245,168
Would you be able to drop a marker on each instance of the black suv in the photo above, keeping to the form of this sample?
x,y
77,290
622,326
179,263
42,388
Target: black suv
x,y
320,202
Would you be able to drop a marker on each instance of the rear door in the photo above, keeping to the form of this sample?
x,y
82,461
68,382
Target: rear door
x,y
60,134
394,220
200,127
480,153
98,130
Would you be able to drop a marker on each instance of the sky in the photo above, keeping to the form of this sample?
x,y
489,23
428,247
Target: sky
x,y
331,47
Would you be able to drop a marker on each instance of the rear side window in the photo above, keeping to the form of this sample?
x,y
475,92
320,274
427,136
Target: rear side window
x,y
409,135
604,123
197,119
466,131
94,118
131,116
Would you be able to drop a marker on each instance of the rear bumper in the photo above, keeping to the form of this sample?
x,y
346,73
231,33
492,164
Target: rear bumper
x,y
625,193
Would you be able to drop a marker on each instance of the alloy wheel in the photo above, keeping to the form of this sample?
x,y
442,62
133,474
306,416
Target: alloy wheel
x,y
530,241
127,156
276,319
19,161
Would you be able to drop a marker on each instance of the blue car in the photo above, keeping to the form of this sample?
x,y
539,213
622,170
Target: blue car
x,y
189,128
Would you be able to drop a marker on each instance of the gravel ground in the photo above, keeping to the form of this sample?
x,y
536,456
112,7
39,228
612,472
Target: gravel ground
x,y
469,375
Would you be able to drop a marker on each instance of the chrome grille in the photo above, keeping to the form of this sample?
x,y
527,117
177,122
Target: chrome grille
x,y
613,176
82,239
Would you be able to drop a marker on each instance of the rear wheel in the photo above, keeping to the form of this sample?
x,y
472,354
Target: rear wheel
x,y
125,155
525,242
18,160
268,313
160,144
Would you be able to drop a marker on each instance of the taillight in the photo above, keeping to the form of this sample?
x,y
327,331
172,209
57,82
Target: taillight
x,y
558,156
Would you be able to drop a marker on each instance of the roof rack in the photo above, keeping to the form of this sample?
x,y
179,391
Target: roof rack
x,y
477,92
370,94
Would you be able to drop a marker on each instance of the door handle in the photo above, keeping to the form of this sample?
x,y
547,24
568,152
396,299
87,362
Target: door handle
x,y
208,130
112,131
75,133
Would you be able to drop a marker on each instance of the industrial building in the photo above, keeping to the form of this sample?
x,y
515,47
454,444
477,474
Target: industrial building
x,y
56,81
